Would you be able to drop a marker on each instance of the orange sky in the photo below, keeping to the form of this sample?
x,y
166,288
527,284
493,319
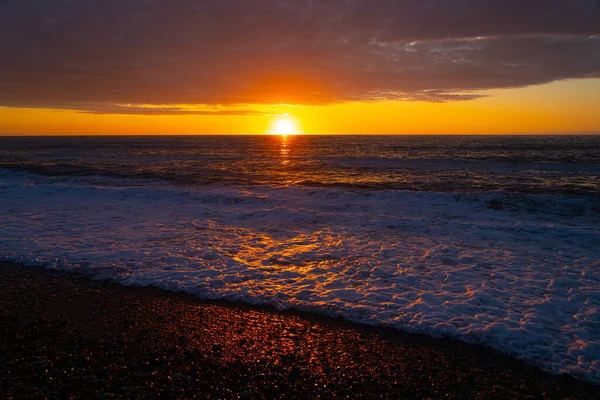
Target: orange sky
x,y
560,107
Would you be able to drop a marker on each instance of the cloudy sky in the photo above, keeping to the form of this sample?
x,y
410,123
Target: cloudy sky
x,y
226,61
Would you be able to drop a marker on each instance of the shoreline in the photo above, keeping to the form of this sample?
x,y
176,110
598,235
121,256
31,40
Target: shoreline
x,y
68,336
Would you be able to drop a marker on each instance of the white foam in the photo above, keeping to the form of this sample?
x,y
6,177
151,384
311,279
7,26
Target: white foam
x,y
524,280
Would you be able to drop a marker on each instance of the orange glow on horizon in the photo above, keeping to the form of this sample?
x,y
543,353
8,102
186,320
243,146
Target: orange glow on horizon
x,y
560,107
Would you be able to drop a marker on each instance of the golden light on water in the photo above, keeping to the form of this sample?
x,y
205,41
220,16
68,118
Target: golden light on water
x,y
284,125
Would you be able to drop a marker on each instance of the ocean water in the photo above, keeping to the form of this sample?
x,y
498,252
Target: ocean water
x,y
489,240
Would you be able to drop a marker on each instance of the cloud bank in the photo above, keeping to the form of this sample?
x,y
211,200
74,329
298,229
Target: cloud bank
x,y
94,54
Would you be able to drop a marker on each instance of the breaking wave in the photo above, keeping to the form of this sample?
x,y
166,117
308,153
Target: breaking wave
x,y
519,272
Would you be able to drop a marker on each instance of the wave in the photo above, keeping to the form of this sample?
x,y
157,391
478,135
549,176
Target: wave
x,y
517,272
374,174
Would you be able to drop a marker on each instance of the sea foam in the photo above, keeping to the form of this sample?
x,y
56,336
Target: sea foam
x,y
519,273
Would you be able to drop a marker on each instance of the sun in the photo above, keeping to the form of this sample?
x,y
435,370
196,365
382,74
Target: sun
x,y
284,125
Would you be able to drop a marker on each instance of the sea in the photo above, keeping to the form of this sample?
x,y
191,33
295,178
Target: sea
x,y
491,240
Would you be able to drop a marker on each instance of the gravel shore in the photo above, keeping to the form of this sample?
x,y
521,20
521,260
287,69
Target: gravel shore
x,y
66,336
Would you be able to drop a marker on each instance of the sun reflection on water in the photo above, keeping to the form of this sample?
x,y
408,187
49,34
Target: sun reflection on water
x,y
285,151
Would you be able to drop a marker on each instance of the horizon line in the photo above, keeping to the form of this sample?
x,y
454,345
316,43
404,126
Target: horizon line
x,y
14,135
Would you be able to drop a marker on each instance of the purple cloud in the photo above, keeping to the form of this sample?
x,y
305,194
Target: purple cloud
x,y
94,54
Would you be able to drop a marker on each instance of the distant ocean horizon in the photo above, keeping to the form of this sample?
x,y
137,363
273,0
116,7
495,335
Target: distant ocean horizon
x,y
406,162
233,134
489,239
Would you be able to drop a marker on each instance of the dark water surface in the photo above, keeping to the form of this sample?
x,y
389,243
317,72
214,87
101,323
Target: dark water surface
x,y
522,164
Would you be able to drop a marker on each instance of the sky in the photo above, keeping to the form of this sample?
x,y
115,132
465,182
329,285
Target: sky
x,y
81,67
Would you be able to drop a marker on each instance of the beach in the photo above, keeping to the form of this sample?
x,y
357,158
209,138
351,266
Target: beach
x,y
299,199
68,336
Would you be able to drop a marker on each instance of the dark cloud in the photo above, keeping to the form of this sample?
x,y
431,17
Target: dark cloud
x,y
93,54
145,109
139,110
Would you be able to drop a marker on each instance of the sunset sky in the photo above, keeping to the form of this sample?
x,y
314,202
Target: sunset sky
x,y
335,66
